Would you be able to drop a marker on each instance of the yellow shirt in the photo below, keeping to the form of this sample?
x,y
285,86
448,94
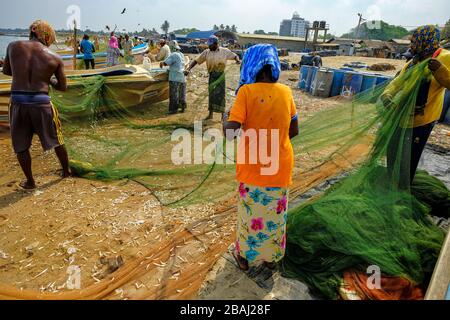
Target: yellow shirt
x,y
216,61
435,102
267,106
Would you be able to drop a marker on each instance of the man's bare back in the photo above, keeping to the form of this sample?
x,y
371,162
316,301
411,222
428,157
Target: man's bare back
x,y
32,66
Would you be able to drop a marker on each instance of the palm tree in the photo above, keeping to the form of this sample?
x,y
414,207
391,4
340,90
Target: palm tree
x,y
222,27
216,27
446,32
165,27
233,28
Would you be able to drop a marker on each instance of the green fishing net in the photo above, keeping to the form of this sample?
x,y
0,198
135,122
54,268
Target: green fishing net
x,y
113,131
371,217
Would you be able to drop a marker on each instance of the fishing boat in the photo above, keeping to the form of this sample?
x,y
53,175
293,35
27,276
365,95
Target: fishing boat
x,y
100,57
131,86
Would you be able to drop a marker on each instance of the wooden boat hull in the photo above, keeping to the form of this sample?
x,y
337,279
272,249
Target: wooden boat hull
x,y
128,90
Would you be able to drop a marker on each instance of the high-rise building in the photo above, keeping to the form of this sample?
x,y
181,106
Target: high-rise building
x,y
296,27
285,28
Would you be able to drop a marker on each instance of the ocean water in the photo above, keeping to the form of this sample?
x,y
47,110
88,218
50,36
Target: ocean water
x,y
4,41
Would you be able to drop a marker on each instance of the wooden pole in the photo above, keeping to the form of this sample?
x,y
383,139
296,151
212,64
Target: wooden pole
x,y
75,47
439,288
357,32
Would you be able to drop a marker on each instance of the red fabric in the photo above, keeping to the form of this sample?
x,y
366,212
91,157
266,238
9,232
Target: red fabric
x,y
437,53
392,288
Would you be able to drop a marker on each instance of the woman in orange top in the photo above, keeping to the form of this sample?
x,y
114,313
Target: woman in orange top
x,y
265,112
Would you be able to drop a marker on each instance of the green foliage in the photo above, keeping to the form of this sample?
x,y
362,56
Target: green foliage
x,y
446,31
329,36
233,28
185,30
259,32
165,27
385,32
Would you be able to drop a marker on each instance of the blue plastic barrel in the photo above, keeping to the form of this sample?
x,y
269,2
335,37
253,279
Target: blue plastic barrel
x,y
351,83
369,82
336,87
382,79
303,77
321,86
311,78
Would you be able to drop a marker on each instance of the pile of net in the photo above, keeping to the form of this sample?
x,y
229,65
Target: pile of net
x,y
368,218
381,67
110,135
372,217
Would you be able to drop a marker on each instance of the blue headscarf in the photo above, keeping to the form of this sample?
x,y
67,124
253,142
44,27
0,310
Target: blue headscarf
x,y
212,40
255,59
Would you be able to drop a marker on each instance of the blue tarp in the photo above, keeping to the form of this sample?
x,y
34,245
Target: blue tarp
x,y
200,34
255,59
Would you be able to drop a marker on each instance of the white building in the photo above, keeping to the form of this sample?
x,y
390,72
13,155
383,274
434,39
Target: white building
x,y
298,26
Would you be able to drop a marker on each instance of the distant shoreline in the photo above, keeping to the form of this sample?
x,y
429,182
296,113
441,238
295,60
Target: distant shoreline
x,y
14,35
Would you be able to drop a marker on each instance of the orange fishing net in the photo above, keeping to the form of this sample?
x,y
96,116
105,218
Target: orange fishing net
x,y
392,288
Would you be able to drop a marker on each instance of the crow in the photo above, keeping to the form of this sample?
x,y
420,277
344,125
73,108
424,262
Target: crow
x,y
124,10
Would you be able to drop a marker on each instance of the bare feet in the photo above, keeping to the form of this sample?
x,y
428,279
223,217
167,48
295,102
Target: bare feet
x,y
65,175
242,263
28,185
270,265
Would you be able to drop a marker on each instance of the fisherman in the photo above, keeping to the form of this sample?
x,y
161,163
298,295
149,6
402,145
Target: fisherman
x,y
120,40
317,60
87,48
138,41
164,51
152,46
127,45
266,108
34,68
177,79
96,43
425,44
216,58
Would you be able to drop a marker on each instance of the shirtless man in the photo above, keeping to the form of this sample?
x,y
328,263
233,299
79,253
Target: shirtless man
x,y
34,68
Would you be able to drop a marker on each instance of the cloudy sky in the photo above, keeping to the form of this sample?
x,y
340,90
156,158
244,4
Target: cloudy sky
x,y
247,15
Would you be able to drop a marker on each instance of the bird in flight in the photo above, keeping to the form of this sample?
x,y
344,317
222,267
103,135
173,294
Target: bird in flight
x,y
124,10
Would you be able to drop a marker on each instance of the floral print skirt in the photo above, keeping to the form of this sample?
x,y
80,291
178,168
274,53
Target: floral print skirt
x,y
261,227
